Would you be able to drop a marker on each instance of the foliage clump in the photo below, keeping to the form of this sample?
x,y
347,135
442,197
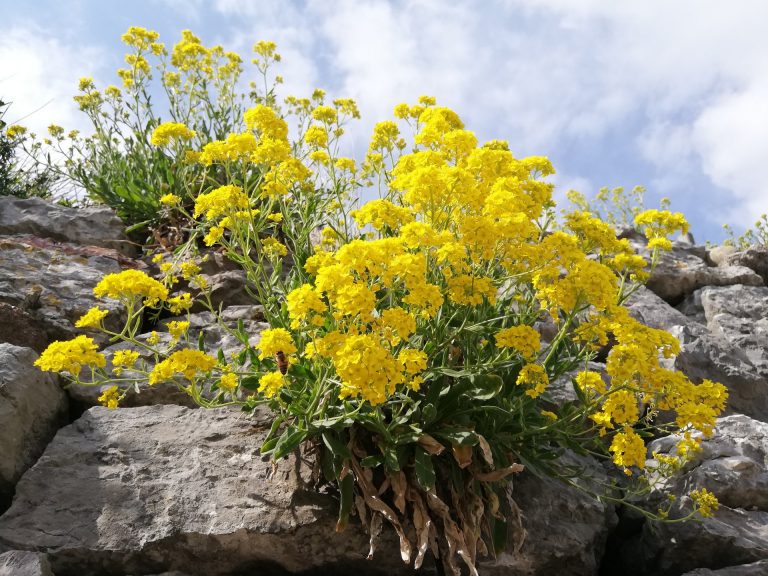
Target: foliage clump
x,y
416,340
19,176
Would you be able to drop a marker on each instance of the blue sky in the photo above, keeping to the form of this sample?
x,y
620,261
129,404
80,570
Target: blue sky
x,y
669,94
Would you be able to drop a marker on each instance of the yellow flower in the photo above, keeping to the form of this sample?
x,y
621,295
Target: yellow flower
x,y
276,340
228,382
180,303
123,359
628,449
535,378
153,339
170,199
706,501
523,338
92,318
222,200
110,397
130,284
187,362
14,131
273,248
270,384
167,131
303,303
71,356
276,217
178,328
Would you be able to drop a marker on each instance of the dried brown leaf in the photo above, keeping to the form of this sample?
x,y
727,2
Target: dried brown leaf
x,y
431,445
462,454
500,474
399,486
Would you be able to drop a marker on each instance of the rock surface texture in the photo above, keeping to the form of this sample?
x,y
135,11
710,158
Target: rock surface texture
x,y
32,407
93,226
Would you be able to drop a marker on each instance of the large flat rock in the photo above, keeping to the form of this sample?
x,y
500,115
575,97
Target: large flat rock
x,y
91,226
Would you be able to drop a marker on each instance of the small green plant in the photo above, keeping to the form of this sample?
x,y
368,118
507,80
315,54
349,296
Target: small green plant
x,y
614,205
118,164
19,176
752,236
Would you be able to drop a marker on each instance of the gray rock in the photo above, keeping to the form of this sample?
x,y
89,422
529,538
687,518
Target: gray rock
x,y
32,407
92,226
759,568
709,356
20,563
60,278
160,488
755,257
740,315
651,310
680,272
732,465
215,337
566,528
20,328
719,254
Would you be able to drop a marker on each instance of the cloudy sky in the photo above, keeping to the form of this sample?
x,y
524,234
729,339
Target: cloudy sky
x,y
670,94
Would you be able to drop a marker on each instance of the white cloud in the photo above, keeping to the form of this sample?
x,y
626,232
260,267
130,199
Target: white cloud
x,y
39,75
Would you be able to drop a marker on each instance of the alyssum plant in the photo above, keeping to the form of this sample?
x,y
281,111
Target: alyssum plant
x,y
404,346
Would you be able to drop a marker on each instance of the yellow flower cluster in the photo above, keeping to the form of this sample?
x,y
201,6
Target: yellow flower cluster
x,y
168,131
658,224
523,339
92,318
187,362
129,285
70,356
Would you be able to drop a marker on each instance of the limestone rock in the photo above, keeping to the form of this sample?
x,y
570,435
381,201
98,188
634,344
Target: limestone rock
x,y
160,488
165,488
20,563
755,257
732,464
20,328
680,272
93,226
759,568
719,254
740,315
566,528
32,407
60,279
704,355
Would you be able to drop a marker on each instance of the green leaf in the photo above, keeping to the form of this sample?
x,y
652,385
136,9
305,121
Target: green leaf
x,y
347,492
391,461
201,341
250,382
486,386
458,436
289,441
371,461
428,414
336,446
425,471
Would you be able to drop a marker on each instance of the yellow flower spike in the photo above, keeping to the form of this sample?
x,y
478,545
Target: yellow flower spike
x,y
167,132
177,328
276,340
92,319
271,383
110,397
131,284
535,378
187,362
70,356
706,502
